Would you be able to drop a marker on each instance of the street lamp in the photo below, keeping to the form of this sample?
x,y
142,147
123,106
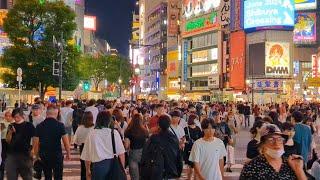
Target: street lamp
x,y
120,82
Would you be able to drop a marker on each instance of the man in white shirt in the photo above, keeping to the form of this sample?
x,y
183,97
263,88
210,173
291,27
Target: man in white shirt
x,y
67,118
176,129
207,154
92,109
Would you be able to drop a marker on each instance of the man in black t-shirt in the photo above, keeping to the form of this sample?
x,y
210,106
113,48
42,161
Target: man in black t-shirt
x,y
19,137
48,144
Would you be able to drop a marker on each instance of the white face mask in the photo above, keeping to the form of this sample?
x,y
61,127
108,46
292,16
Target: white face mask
x,y
274,153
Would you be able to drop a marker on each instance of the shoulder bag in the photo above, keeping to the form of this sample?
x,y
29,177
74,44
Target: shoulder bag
x,y
116,171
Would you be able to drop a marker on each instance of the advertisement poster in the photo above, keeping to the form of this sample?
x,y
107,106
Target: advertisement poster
x,y
305,28
173,17
185,61
194,8
266,14
237,60
305,4
277,59
172,63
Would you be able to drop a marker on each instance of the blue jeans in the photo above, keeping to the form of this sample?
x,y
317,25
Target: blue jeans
x,y
100,170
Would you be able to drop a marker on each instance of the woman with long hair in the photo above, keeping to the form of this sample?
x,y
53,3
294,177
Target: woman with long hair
x,y
81,135
119,121
98,149
135,138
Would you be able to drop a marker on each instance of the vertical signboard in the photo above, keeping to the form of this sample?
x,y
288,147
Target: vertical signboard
x,y
237,60
173,17
315,66
224,13
235,15
277,59
185,61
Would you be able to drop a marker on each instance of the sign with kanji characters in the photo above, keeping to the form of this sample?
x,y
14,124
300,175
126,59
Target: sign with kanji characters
x,y
224,13
268,84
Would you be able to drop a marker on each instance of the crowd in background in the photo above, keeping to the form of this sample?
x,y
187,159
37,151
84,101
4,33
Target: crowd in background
x,y
153,139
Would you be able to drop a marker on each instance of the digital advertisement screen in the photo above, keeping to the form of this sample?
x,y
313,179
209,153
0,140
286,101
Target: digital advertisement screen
x,y
267,14
192,8
305,28
305,4
277,59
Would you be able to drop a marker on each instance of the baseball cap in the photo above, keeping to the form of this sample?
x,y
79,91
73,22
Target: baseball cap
x,y
35,106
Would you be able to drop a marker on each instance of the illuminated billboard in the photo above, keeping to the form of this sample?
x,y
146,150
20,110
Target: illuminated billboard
x,y
305,4
315,65
305,29
266,14
201,24
194,8
277,59
90,23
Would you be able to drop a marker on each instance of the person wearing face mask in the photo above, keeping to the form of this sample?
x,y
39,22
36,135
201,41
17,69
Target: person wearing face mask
x,y
271,164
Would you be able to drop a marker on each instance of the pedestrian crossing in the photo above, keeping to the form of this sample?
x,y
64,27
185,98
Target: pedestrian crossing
x,y
71,170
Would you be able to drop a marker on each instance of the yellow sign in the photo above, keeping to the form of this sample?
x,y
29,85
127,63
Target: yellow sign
x,y
172,63
313,82
277,59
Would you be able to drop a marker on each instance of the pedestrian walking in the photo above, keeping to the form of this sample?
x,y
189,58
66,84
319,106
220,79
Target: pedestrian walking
x,y
303,136
47,144
81,135
66,117
208,153
19,137
270,164
135,138
7,120
94,110
161,158
98,149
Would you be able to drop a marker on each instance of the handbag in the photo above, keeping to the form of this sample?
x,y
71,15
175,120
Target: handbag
x,y
116,171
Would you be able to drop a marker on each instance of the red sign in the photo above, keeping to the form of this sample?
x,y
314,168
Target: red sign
x,y
315,66
237,60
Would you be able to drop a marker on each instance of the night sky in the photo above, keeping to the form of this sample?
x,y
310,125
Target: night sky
x,y
114,18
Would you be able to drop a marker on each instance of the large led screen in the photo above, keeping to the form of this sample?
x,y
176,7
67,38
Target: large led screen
x,y
267,14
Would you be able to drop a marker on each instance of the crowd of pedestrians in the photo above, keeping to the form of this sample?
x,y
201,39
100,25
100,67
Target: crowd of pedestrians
x,y
154,139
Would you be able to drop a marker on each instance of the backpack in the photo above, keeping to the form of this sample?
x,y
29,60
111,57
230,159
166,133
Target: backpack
x,y
152,162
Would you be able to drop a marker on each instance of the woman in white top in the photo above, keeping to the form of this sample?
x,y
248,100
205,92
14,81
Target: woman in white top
x,y
119,122
81,135
98,148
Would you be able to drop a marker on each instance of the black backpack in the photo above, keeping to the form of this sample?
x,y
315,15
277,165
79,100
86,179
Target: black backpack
x,y
152,162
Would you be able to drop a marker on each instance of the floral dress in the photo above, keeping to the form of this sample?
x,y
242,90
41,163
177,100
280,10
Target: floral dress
x,y
260,169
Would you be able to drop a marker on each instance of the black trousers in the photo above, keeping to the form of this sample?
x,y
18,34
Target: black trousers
x,y
53,164
83,165
3,156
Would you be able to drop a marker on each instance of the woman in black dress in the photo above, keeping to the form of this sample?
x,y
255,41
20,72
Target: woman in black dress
x,y
192,133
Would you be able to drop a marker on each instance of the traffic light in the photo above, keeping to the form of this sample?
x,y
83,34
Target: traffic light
x,y
86,86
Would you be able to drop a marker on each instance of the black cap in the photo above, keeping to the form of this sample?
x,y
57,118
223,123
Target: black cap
x,y
175,113
35,106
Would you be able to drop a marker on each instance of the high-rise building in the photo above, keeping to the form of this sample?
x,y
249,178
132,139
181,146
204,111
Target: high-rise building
x,y
153,21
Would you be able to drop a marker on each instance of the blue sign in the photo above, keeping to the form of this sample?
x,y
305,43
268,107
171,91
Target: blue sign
x,y
296,68
268,14
185,60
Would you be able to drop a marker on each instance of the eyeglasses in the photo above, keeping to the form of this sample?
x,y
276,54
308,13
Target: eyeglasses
x,y
273,140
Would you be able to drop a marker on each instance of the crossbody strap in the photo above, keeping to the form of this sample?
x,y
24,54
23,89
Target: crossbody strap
x,y
113,143
189,133
174,132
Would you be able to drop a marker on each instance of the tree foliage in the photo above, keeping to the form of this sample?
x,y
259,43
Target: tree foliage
x,y
31,27
110,68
